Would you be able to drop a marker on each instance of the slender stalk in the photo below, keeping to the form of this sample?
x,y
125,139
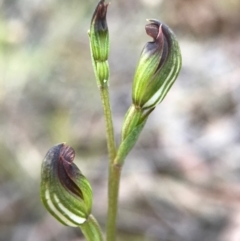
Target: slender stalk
x,y
113,190
91,229
109,124
113,170
116,161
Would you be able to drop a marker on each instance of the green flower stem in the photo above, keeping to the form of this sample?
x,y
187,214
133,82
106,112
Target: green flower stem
x,y
91,229
131,119
114,171
108,119
113,189
134,122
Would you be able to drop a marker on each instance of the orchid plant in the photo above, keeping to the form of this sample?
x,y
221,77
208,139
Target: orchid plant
x,y
65,191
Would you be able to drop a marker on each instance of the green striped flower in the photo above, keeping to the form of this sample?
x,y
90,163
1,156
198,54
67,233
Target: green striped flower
x,y
159,65
65,192
99,42
99,36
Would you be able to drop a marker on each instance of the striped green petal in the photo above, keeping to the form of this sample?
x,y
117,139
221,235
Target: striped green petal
x,y
65,192
151,83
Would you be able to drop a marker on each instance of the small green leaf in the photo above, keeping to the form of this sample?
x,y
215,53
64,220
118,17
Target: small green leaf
x,y
128,143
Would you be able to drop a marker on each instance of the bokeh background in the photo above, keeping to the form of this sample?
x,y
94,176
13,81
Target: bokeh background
x,y
182,180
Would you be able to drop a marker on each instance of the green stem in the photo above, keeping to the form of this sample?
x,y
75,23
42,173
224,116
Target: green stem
x,y
109,124
113,189
113,170
91,229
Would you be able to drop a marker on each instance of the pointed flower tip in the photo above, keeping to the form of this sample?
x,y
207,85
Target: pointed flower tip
x,y
65,192
100,12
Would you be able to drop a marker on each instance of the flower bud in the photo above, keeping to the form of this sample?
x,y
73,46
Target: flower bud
x,y
99,43
158,67
65,192
98,33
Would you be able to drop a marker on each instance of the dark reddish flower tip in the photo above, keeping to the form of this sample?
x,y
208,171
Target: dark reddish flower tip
x,y
99,16
153,30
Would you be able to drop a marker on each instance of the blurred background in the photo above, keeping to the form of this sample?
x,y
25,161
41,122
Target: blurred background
x,y
182,180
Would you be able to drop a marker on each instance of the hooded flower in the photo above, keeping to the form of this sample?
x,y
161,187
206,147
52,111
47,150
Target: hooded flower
x,y
65,192
158,67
